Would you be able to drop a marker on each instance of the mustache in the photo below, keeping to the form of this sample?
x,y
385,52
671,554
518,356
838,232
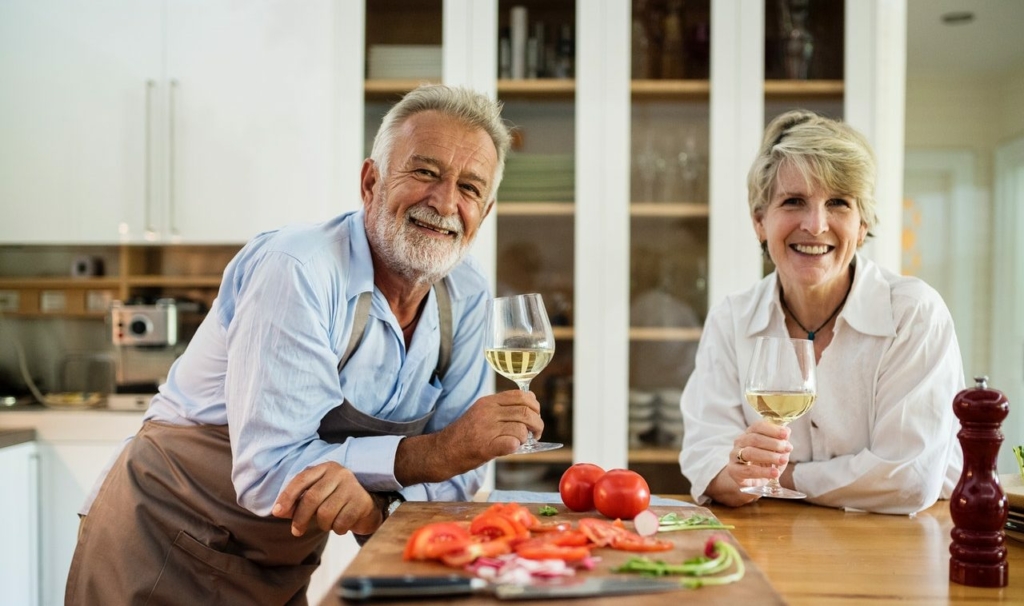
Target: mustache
x,y
425,214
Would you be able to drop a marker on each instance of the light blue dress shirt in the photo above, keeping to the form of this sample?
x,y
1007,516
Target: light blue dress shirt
x,y
264,362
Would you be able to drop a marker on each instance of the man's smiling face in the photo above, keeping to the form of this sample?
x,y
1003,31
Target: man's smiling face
x,y
423,215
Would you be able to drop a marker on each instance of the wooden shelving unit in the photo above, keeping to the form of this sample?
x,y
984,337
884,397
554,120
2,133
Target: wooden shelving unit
x,y
150,271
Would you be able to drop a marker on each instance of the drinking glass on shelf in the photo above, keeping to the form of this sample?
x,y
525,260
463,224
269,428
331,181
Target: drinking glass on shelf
x,y
781,387
519,343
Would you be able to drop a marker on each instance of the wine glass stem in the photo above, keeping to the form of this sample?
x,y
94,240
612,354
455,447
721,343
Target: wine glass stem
x,y
524,386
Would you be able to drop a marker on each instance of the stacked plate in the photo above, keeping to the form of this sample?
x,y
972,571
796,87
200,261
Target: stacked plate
x,y
404,61
642,417
538,178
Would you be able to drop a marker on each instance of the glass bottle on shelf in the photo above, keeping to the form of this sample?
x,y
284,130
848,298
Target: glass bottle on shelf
x,y
672,47
641,42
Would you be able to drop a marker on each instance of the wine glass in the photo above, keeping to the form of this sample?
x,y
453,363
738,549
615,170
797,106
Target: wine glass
x,y
781,387
518,345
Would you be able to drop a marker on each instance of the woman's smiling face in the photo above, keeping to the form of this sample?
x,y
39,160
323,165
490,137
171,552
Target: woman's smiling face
x,y
812,234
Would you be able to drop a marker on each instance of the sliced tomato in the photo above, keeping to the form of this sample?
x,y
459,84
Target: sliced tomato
x,y
546,527
540,549
600,532
479,549
630,541
434,540
566,538
495,526
514,511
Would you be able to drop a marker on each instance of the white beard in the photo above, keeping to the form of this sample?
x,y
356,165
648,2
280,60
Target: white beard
x,y
409,253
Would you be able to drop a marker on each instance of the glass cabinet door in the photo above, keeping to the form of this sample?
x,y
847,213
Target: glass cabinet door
x,y
536,208
670,48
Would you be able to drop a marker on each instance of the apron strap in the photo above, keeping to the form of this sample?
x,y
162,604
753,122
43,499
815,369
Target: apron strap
x,y
444,312
360,317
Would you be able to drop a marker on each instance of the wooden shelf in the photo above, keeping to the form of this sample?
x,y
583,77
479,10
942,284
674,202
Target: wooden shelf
x,y
175,281
391,90
670,89
658,333
537,89
566,209
821,89
564,456
654,455
640,89
669,209
59,283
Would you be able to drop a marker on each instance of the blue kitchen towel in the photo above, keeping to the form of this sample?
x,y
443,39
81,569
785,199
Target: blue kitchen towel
x,y
528,496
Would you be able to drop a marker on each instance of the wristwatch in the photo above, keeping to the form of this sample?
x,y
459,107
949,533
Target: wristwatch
x,y
391,502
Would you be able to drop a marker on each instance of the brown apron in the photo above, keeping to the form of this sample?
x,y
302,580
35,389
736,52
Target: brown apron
x,y
166,528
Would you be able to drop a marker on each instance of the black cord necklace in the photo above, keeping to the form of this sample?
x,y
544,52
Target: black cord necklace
x,y
811,333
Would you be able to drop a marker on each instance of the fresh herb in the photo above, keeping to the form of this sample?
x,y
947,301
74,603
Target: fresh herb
x,y
719,556
547,510
673,521
1018,451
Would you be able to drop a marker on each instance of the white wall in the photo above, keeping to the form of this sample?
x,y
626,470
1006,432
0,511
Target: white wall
x,y
977,116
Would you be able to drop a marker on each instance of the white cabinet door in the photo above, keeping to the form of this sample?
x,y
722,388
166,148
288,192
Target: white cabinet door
x,y
251,117
19,525
67,472
73,116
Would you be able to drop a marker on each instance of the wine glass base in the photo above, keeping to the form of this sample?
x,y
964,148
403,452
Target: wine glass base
x,y
533,447
774,492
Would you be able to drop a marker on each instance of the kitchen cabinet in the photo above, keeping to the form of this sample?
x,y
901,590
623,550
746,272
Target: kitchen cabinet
x,y
19,524
167,121
654,228
74,147
74,447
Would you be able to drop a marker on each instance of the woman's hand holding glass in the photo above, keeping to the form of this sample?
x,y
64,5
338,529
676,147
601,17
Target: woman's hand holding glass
x,y
781,386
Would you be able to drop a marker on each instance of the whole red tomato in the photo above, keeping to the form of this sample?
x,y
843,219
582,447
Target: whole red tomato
x,y
577,486
621,493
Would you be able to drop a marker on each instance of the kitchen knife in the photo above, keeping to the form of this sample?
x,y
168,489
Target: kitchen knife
x,y
410,586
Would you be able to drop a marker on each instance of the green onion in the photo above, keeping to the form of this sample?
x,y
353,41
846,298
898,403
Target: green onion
x,y
697,571
1018,452
673,521
547,510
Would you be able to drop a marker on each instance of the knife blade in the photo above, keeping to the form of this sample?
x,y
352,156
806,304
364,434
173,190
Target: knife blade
x,y
364,588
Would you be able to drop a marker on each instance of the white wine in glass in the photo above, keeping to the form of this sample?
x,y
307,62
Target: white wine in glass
x,y
518,345
781,386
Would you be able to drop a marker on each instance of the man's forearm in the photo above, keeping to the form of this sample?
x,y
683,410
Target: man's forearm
x,y
426,458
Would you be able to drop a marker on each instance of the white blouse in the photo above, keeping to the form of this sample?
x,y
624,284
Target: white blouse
x,y
881,436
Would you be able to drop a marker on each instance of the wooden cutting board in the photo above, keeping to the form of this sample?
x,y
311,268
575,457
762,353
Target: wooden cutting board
x,y
382,556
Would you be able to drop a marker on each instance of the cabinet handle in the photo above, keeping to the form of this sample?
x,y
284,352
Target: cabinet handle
x,y
147,218
172,154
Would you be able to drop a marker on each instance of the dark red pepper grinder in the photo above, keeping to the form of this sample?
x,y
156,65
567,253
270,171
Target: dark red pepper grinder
x,y
978,505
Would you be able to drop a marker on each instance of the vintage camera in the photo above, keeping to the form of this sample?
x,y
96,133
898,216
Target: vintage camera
x,y
153,325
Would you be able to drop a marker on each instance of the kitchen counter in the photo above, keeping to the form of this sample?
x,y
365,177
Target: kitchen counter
x,y
12,436
817,555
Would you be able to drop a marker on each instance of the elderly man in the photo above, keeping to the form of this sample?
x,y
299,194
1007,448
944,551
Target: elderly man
x,y
339,371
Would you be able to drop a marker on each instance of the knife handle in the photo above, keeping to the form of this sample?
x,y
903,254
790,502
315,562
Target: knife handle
x,y
368,588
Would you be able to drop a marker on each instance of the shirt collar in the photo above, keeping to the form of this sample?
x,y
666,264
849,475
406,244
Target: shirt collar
x,y
868,309
361,265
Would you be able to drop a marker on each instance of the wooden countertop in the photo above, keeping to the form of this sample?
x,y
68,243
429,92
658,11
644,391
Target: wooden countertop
x,y
13,436
817,555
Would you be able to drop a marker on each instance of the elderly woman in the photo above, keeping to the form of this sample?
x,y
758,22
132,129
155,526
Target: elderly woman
x,y
882,434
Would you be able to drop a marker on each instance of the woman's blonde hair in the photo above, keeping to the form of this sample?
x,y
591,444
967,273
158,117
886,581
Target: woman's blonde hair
x,y
826,151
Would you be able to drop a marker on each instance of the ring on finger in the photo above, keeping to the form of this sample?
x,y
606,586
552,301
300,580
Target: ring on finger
x,y
739,457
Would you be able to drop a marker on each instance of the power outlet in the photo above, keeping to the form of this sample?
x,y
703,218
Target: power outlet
x,y
10,301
